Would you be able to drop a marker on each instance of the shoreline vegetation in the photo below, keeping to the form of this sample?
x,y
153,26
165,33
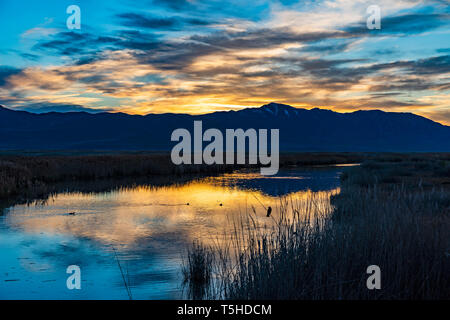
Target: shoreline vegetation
x,y
33,175
390,212
27,176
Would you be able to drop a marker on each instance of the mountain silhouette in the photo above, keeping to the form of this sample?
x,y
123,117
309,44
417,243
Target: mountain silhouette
x,y
300,129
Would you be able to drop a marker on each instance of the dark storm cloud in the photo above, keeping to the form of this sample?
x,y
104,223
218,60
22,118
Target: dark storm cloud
x,y
73,43
385,94
6,72
178,55
148,22
333,68
86,60
433,65
86,46
403,24
324,64
426,66
171,55
322,71
168,55
140,21
327,48
93,79
414,23
409,85
263,38
389,103
339,74
30,56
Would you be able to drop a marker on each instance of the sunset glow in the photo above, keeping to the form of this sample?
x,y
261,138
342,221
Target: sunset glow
x,y
201,56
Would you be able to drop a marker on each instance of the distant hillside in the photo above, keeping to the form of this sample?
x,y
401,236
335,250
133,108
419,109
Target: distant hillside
x,y
300,129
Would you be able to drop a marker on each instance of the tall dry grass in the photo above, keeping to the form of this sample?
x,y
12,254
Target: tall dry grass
x,y
33,176
30,175
319,251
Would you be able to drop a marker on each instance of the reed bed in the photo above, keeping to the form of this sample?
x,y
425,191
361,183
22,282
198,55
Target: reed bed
x,y
33,176
320,250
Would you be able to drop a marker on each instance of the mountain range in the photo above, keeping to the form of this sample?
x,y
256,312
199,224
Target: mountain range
x,y
300,129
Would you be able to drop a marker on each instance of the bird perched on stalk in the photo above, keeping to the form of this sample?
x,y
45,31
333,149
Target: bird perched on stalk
x,y
269,211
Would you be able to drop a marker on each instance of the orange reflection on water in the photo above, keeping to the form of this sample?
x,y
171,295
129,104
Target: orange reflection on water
x,y
150,216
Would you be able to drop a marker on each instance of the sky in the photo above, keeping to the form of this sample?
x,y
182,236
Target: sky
x,y
200,56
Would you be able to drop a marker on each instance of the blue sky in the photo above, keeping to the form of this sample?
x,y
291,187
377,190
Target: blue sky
x,y
196,56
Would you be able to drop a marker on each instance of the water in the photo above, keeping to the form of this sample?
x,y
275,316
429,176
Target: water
x,y
146,227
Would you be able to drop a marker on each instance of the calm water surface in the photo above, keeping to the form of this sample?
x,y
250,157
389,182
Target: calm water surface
x,y
148,227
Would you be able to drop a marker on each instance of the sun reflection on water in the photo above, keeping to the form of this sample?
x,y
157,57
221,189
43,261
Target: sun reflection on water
x,y
149,226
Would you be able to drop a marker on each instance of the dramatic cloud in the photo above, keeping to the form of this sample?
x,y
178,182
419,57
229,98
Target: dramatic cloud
x,y
405,24
6,72
172,23
200,56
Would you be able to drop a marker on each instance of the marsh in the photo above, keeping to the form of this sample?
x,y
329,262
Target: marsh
x,y
149,226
